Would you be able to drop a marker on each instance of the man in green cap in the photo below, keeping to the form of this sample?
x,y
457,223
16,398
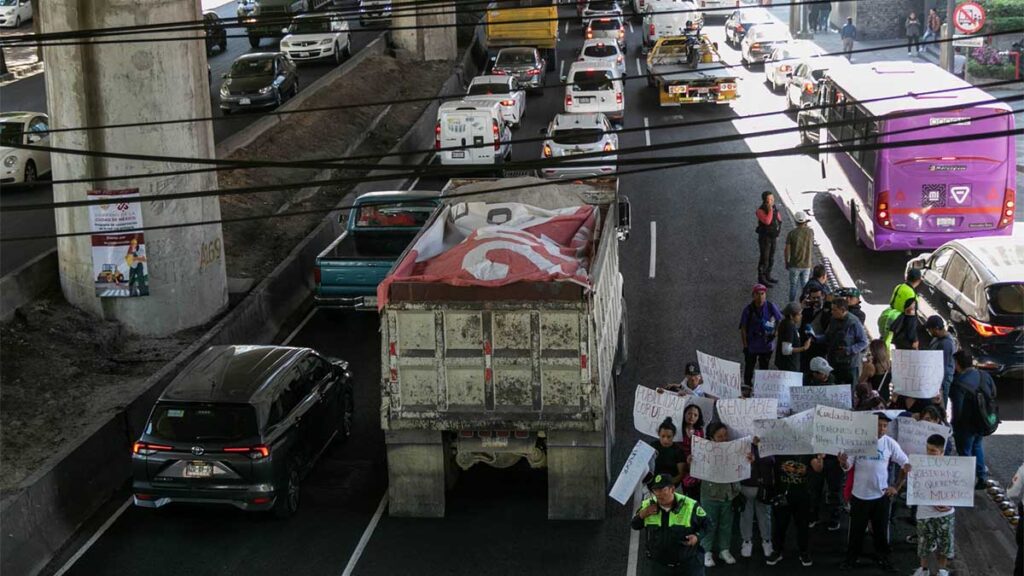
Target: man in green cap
x,y
674,524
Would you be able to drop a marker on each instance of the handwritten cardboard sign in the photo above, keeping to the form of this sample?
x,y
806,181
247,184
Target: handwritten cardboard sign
x,y
720,461
650,409
807,397
917,373
637,465
941,481
776,384
739,414
790,435
722,378
707,408
837,430
913,434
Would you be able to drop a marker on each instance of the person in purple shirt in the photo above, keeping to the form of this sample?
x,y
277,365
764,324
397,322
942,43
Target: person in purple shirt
x,y
757,331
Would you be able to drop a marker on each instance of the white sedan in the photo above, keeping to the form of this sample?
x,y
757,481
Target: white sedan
x,y
502,89
14,13
316,36
18,165
784,59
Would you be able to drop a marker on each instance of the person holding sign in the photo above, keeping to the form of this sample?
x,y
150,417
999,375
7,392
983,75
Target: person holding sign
x,y
934,524
669,458
941,340
673,524
790,343
718,499
872,496
757,332
693,426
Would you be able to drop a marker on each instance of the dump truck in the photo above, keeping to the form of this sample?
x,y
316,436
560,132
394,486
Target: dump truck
x,y
495,362
687,69
267,18
526,23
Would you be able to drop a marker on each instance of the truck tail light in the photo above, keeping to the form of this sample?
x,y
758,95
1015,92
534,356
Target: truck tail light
x,y
986,330
622,33
497,134
568,100
618,97
508,102
437,135
808,88
146,448
882,210
650,30
755,46
547,151
1009,206
255,452
590,34
522,434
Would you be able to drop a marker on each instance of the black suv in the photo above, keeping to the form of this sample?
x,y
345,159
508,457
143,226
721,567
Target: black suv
x,y
242,425
977,285
216,34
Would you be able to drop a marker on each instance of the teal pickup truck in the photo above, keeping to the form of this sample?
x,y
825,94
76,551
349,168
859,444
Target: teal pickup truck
x,y
378,228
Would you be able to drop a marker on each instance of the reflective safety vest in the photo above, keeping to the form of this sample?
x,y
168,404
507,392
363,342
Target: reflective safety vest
x,y
666,540
680,515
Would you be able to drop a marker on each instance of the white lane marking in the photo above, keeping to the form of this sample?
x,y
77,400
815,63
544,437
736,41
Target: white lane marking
x,y
634,539
630,26
654,248
92,539
561,69
647,132
1010,428
300,326
566,27
639,70
367,534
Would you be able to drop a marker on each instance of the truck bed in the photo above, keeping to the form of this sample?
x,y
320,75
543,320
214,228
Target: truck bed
x,y
367,246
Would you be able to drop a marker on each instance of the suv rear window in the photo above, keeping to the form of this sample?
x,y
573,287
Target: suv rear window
x,y
577,136
592,80
602,6
483,89
1006,298
605,25
516,58
202,422
602,51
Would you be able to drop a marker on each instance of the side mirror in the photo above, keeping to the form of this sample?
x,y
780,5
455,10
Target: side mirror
x,y
284,30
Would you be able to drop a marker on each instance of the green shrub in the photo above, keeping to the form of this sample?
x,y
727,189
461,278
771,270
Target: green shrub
x,y
993,71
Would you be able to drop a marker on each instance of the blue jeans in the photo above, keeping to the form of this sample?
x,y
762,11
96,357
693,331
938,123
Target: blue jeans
x,y
797,278
970,444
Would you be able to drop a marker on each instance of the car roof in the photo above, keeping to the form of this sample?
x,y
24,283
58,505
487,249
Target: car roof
x,y
259,56
232,374
403,194
997,259
491,79
22,116
579,120
469,104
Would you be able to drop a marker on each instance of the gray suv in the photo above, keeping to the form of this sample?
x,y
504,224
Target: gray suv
x,y
242,425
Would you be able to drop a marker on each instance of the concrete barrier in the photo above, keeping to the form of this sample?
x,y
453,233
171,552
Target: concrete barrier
x,y
21,286
52,504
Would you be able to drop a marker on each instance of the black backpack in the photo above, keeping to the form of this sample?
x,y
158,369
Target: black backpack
x,y
982,406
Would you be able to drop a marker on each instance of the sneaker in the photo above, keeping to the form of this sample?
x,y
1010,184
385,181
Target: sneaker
x,y
805,559
921,572
911,538
747,549
943,572
773,559
766,545
833,525
727,557
709,560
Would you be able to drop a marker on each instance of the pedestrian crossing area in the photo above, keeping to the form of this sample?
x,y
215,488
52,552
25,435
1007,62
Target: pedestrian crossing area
x,y
114,293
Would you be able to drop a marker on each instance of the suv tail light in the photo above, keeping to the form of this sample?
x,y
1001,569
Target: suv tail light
x,y
608,147
755,46
618,97
650,30
255,452
497,134
146,448
508,102
437,135
590,34
568,100
808,87
882,210
547,151
533,72
1009,206
986,330
622,33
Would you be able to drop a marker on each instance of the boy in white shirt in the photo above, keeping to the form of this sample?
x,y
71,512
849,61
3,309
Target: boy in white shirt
x,y
935,524
872,496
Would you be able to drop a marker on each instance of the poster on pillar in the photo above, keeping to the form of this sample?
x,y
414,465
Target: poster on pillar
x,y
119,264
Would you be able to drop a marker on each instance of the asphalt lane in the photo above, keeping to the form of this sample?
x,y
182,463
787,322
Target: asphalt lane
x,y
30,94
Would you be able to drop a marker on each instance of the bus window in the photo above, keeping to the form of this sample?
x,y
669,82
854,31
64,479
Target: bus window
x,y
955,271
869,158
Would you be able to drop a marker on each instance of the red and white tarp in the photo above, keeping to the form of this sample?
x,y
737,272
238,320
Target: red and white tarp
x,y
495,244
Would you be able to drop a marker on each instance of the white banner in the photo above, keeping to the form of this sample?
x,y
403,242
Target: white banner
x,y
790,435
739,414
917,373
941,481
633,471
707,408
722,378
776,384
720,461
913,434
837,430
807,397
651,408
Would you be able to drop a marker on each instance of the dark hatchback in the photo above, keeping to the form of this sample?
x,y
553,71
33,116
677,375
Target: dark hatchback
x,y
977,285
242,425
264,79
216,34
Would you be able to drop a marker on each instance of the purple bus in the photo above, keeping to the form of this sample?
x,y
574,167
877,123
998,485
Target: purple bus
x,y
917,197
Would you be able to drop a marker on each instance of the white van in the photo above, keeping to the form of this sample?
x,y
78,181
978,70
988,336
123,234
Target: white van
x,y
595,87
472,132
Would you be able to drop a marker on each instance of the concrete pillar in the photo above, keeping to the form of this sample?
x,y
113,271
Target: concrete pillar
x,y
89,85
416,473
577,489
425,43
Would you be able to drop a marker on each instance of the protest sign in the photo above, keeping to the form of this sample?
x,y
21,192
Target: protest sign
x,y
720,461
739,414
917,373
837,430
913,434
807,397
633,471
707,408
722,378
776,384
941,481
791,435
651,408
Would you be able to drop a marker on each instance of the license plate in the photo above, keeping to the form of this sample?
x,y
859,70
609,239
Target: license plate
x,y
945,222
244,101
585,99
458,153
703,90
495,442
198,470
676,89
302,54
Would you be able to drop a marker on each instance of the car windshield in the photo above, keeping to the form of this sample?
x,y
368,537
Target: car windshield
x,y
310,26
202,422
592,80
605,24
403,215
11,133
515,58
8,2
600,51
577,136
252,67
485,88
1007,298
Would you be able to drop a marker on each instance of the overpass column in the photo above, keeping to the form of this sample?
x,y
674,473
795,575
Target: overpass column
x,y
136,81
437,43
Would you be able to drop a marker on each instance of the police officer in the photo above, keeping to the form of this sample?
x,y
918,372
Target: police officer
x,y
674,525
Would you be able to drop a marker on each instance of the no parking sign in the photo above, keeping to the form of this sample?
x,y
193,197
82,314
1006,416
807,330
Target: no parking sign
x,y
968,18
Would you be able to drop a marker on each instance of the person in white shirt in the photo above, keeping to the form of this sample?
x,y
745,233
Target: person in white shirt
x,y
872,496
1016,492
692,382
935,524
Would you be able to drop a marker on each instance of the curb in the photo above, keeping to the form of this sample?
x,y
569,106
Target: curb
x,y
22,285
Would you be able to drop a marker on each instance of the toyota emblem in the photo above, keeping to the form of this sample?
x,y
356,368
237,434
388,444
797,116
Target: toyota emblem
x,y
198,450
